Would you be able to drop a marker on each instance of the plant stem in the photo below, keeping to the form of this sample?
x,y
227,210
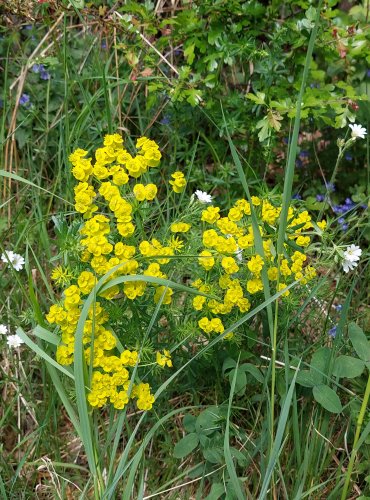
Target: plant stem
x,y
360,420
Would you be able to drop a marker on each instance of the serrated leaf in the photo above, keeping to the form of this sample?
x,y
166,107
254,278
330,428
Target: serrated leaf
x,y
186,445
359,341
327,398
258,98
348,367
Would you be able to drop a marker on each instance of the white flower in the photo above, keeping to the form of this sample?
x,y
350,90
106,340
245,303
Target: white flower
x,y
18,262
351,256
203,197
3,330
349,265
7,256
15,260
352,253
14,341
357,131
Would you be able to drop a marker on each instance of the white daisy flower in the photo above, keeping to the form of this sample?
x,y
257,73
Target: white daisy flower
x,y
352,253
14,259
3,330
14,341
349,265
7,256
357,131
18,262
203,197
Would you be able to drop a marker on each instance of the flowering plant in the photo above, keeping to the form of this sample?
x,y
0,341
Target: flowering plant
x,y
126,255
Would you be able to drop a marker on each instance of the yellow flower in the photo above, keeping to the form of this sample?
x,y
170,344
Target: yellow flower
x,y
206,260
180,227
164,359
61,275
322,225
178,183
175,243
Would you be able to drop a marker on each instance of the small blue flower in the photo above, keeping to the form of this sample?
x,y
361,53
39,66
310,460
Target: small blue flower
x,y
296,196
330,187
338,209
304,154
24,100
165,120
348,157
44,75
320,197
341,220
36,68
104,44
333,331
368,73
298,163
339,307
344,227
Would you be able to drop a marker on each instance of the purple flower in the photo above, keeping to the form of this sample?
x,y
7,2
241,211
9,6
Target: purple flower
x,y
344,227
44,75
349,202
339,307
320,197
36,68
332,332
298,163
338,209
165,120
341,220
24,100
304,154
330,187
104,44
296,196
348,157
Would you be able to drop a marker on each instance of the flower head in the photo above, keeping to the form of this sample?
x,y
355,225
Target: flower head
x,y
203,197
4,330
14,259
14,341
352,253
24,100
358,131
351,256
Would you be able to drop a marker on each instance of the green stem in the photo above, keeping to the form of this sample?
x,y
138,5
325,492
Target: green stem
x,y
357,435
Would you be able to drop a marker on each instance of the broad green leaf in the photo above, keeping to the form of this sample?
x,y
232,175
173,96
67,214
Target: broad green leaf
x,y
348,367
186,445
319,364
217,490
253,370
306,378
359,341
189,422
327,398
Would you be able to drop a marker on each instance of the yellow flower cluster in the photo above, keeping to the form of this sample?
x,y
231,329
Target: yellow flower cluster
x,y
230,255
114,241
